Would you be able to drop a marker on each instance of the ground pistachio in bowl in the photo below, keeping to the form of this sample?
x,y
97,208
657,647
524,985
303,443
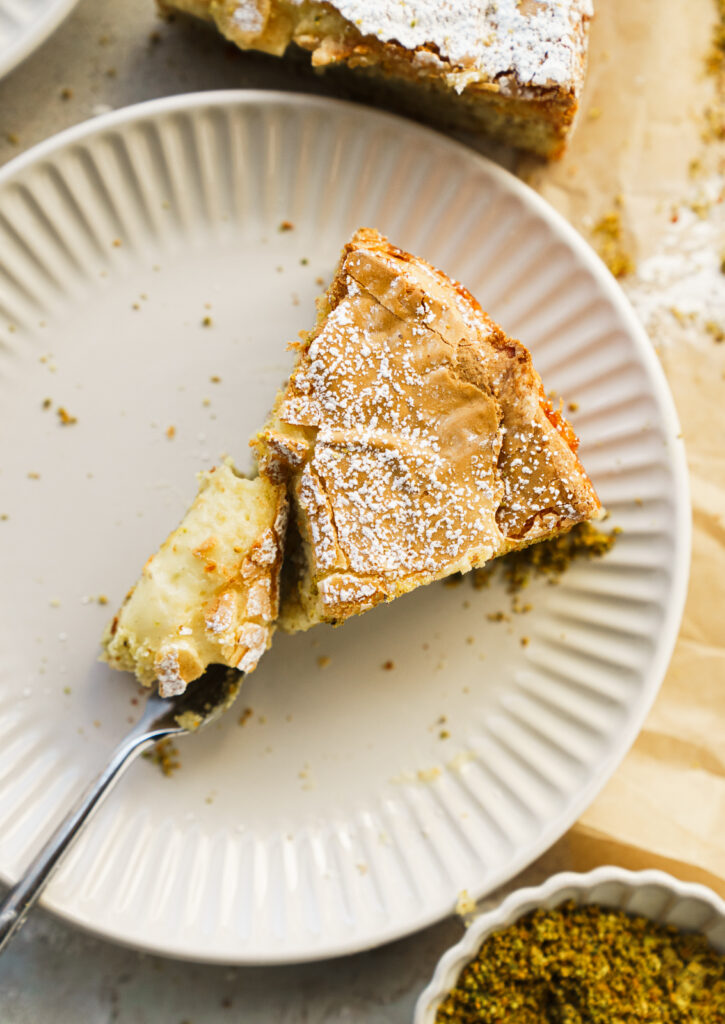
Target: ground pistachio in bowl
x,y
611,946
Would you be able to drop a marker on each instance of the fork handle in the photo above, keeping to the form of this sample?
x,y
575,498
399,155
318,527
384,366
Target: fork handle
x,y
22,896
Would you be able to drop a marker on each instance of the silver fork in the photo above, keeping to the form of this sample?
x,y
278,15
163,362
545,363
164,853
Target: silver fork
x,y
204,701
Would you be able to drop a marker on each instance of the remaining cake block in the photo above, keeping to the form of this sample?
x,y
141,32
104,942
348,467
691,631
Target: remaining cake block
x,y
210,594
416,439
511,68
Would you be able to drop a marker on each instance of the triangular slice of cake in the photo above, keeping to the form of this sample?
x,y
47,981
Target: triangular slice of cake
x,y
416,440
210,594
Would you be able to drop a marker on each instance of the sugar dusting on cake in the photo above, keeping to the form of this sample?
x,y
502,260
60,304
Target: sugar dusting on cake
x,y
417,468
535,42
382,493
248,18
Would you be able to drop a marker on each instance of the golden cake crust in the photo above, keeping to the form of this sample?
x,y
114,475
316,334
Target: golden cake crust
x,y
513,68
416,438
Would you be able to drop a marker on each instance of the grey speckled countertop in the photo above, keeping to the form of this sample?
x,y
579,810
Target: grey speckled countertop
x,y
105,56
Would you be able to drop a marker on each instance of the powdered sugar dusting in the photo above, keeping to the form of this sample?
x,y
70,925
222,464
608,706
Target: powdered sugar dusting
x,y
219,619
383,492
248,18
417,469
681,285
168,673
253,642
535,41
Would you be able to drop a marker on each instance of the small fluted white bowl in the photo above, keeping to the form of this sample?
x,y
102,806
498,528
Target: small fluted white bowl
x,y
653,894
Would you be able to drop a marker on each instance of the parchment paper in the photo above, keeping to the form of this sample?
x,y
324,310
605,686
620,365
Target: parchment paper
x,y
641,127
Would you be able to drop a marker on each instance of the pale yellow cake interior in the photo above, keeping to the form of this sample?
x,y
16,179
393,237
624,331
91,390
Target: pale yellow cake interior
x,y
210,594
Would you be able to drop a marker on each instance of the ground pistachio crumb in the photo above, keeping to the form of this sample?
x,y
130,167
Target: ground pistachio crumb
x,y
589,965
609,238
165,755
550,558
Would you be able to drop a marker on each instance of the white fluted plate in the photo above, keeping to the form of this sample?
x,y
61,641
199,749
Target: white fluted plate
x,y
357,800
25,24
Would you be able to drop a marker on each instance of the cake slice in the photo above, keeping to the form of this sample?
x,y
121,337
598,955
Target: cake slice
x,y
415,438
210,594
511,68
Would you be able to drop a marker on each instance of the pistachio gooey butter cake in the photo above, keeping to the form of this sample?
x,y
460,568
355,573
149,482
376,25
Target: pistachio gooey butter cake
x,y
413,440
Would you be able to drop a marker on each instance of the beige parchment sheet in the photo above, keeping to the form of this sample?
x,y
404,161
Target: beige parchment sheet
x,y
641,128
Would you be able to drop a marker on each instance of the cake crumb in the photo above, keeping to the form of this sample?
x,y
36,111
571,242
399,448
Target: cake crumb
x,y
116,243
715,330
171,432
66,93
608,233
323,661
102,599
189,720
428,774
206,322
465,906
46,403
215,379
388,665
66,420
286,225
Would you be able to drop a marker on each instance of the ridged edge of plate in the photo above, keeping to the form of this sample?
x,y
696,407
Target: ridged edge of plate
x,y
29,40
210,101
